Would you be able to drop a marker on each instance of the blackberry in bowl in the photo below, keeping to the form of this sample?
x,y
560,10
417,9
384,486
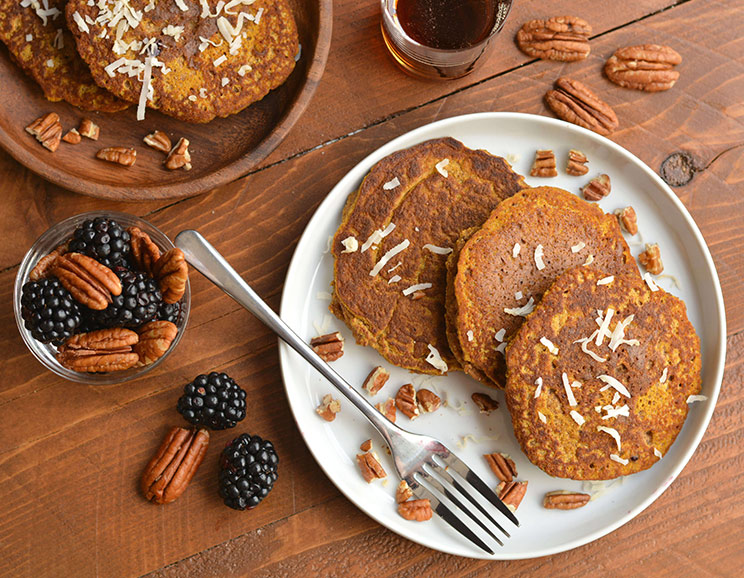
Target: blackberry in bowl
x,y
51,314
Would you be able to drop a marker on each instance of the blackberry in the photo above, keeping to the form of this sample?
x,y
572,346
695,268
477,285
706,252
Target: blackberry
x,y
49,312
249,470
170,312
104,240
137,304
213,400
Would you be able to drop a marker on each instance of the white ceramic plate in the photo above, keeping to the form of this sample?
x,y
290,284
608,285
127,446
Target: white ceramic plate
x,y
662,219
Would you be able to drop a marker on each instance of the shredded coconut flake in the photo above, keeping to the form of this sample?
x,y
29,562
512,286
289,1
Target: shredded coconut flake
x,y
549,344
542,417
538,389
30,37
539,258
435,359
522,311
219,60
80,22
577,417
518,295
438,250
50,63
613,412
377,236
395,267
145,88
694,398
394,279
614,383
616,398
650,282
585,347
350,244
658,454
391,184
182,5
501,348
470,335
664,374
589,261
416,287
618,459
604,327
402,246
606,280
500,334
440,167
617,338
245,68
578,247
515,250
569,391
613,432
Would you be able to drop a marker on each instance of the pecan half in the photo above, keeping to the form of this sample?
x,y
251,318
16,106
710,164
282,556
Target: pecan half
x,y
576,165
172,274
46,263
511,493
155,339
598,188
562,38
651,259
370,467
405,401
328,408
428,401
89,129
387,409
99,351
124,156
628,220
502,465
72,136
89,282
159,141
648,67
366,445
144,252
169,472
565,500
376,379
47,130
415,510
403,493
544,165
486,404
179,156
573,102
329,347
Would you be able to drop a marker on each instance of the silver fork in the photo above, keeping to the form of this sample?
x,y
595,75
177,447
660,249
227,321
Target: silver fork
x,y
431,470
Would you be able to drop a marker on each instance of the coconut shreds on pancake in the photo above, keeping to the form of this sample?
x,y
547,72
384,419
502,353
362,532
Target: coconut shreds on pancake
x,y
502,269
37,37
392,245
202,58
614,396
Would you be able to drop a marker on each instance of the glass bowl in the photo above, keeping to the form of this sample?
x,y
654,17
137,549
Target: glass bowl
x,y
44,245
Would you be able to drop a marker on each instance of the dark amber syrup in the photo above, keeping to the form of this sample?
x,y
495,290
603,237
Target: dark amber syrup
x,y
447,24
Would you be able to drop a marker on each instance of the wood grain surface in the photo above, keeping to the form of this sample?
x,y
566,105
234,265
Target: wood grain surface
x,y
71,455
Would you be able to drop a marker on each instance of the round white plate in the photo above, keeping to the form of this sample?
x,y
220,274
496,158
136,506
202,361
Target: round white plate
x,y
662,219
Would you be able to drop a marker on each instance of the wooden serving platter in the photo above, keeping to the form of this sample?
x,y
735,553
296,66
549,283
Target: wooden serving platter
x,y
222,150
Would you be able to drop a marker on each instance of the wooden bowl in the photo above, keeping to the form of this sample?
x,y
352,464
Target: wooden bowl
x,y
222,150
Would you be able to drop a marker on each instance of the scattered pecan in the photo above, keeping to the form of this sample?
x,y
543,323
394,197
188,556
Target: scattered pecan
x,y
172,274
99,351
169,472
572,101
405,401
511,493
428,401
72,136
89,282
486,404
179,156
562,38
628,220
651,259
387,409
598,188
648,67
376,379
403,493
159,141
123,156
328,408
47,130
155,339
565,500
144,252
576,165
370,467
89,129
329,347
502,465
415,510
46,263
366,446
544,165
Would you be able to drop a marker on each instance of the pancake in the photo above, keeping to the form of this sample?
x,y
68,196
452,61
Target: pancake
x,y
657,362
406,196
205,63
490,279
40,43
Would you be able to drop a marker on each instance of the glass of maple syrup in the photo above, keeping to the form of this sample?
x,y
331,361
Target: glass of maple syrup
x,y
441,38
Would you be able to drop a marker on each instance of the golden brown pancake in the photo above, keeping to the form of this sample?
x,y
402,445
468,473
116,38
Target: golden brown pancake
x,y
423,211
206,62
40,43
654,362
496,278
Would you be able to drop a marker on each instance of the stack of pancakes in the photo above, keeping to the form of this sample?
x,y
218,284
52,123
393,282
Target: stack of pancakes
x,y
192,59
445,260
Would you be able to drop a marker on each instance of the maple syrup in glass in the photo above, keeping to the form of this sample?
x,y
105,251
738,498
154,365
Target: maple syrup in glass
x,y
441,38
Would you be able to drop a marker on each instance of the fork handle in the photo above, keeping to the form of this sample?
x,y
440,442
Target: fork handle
x,y
208,261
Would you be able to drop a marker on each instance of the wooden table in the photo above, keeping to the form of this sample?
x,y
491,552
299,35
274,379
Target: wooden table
x,y
71,456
